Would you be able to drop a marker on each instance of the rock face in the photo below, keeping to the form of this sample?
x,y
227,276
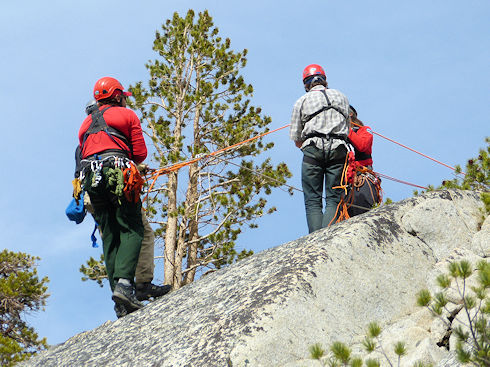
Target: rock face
x,y
268,309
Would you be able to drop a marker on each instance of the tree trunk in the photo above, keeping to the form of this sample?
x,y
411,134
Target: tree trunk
x,y
171,230
193,224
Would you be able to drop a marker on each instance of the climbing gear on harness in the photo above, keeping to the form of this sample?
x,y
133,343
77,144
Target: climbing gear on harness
x,y
96,167
75,211
350,181
133,183
105,87
98,124
121,176
115,179
77,188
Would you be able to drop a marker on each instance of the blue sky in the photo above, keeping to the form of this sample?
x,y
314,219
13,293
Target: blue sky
x,y
416,71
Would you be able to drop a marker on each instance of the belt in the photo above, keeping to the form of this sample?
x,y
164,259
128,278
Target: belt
x,y
325,136
106,154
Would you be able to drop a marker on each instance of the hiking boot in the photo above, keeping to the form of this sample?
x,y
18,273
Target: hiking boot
x,y
146,290
121,310
124,295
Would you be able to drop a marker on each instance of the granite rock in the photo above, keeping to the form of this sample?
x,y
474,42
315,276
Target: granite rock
x,y
266,310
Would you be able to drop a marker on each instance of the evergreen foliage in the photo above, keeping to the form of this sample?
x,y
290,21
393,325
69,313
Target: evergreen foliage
x,y
94,270
21,291
476,177
341,354
473,340
196,102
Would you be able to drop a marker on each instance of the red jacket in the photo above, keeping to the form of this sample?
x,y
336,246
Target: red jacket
x,y
362,140
122,119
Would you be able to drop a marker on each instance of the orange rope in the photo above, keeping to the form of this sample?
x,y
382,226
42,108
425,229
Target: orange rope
x,y
157,173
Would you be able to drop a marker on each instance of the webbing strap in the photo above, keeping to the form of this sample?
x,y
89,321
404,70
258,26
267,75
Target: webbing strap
x,y
325,136
92,236
324,108
98,124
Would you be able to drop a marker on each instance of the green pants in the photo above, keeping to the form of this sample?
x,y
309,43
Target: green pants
x,y
146,265
121,226
328,170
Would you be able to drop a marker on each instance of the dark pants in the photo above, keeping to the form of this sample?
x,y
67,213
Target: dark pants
x,y
328,170
121,226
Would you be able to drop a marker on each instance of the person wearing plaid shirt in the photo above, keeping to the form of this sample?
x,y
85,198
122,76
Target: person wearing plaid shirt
x,y
319,127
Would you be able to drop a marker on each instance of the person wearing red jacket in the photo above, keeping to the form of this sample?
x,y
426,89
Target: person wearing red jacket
x,y
361,139
111,140
364,191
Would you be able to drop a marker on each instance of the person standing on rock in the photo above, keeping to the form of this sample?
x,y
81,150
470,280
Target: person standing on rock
x,y
145,289
319,127
365,191
111,143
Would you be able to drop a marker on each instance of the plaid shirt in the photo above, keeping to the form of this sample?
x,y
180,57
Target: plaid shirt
x,y
327,122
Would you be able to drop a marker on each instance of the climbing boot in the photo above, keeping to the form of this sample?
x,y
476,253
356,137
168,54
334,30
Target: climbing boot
x,y
120,310
124,295
147,290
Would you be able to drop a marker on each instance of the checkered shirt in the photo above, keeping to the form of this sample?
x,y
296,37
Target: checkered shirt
x,y
326,122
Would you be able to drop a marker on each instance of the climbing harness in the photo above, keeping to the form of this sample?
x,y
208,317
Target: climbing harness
x,y
329,106
98,124
122,175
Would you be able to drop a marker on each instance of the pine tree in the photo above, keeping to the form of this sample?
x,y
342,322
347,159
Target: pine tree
x,y
196,102
21,291
476,177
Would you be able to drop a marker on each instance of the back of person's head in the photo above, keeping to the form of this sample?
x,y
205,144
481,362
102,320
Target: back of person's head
x,y
114,100
314,75
108,90
353,116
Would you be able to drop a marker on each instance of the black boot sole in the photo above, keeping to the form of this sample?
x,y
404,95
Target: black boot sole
x,y
122,300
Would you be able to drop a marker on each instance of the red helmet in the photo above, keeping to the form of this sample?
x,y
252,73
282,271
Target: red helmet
x,y
313,69
106,86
